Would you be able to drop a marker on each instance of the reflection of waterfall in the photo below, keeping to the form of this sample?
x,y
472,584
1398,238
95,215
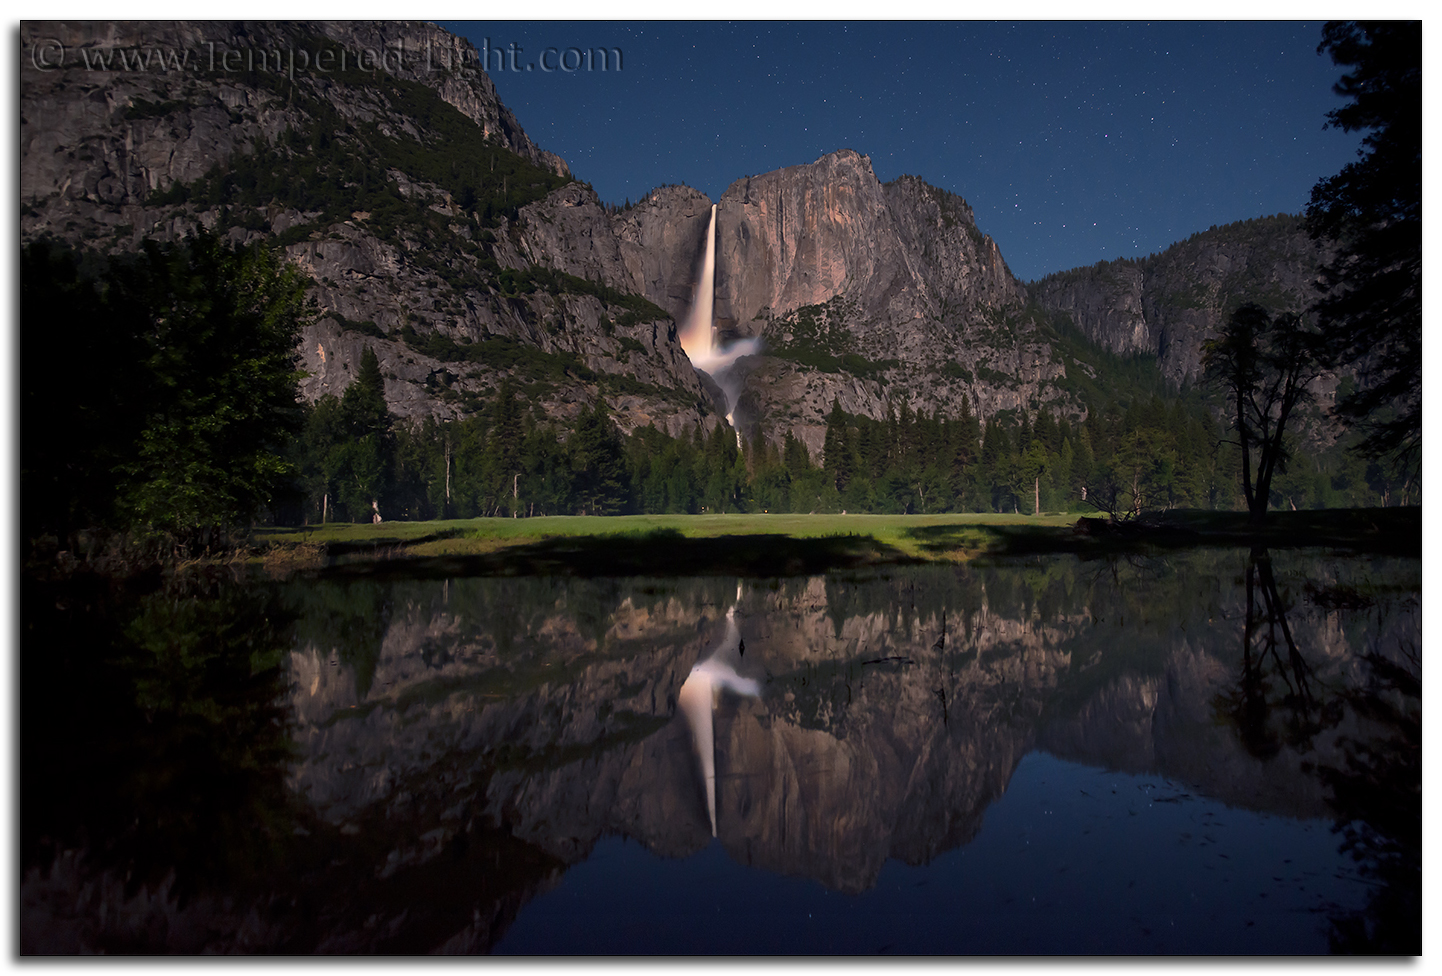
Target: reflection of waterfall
x,y
698,702
698,334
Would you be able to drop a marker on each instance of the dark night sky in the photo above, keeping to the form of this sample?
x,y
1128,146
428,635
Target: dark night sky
x,y
1073,142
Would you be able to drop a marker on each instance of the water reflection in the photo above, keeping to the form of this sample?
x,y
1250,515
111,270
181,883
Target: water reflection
x,y
456,745
697,700
1371,763
1265,635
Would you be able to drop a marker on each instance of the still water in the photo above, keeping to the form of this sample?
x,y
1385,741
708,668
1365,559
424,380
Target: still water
x,y
1214,751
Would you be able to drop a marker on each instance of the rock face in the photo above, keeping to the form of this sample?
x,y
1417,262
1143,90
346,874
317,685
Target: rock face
x,y
824,262
1168,304
820,261
105,149
806,234
651,249
78,80
868,295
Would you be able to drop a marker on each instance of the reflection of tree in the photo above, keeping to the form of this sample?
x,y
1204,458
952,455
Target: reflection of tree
x,y
1378,801
152,733
1376,793
1265,636
155,747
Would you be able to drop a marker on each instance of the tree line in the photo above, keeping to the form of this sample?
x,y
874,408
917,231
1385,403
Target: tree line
x,y
180,419
355,462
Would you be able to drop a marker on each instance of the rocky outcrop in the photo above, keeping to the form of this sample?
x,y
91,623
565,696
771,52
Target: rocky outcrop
x,y
824,262
804,234
1167,305
102,145
662,239
102,121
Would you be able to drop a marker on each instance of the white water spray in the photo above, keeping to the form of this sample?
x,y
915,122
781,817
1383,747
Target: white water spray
x,y
698,334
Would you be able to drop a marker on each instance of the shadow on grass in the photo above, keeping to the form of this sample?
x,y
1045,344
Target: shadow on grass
x,y
1383,531
380,542
660,552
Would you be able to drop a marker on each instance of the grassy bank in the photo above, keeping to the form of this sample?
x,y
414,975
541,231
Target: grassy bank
x,y
483,535
760,544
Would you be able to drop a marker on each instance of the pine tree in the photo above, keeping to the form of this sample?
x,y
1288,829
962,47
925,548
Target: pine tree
x,y
1371,313
364,467
837,455
795,456
502,461
601,483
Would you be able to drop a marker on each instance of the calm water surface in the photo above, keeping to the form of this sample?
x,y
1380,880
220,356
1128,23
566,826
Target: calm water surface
x,y
1217,751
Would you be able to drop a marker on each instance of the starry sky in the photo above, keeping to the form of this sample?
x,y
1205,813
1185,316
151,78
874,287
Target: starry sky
x,y
1074,142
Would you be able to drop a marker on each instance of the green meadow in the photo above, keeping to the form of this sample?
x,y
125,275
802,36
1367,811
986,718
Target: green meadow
x,y
762,544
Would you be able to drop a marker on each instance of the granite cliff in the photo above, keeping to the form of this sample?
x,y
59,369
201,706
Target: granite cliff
x,y
395,182
1168,304
438,234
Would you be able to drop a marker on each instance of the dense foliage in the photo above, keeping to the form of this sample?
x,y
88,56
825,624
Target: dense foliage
x,y
1372,309
510,460
160,388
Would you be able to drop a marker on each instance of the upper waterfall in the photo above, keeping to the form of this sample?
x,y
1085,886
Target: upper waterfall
x,y
698,334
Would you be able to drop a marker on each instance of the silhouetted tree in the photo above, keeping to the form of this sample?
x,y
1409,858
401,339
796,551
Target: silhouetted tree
x,y
1371,312
1264,366
187,354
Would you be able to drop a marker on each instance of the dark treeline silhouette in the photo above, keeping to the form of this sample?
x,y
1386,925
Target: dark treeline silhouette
x,y
1371,308
178,392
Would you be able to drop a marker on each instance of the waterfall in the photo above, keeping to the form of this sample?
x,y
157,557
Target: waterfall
x,y
698,334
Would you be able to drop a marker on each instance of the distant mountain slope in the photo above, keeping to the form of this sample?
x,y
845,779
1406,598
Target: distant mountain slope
x,y
1168,304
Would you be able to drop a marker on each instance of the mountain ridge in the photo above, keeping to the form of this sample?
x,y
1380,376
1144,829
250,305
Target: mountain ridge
x,y
868,295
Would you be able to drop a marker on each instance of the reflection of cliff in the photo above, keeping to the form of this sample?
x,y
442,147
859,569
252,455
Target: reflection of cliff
x,y
874,738
892,710
1180,711
878,738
